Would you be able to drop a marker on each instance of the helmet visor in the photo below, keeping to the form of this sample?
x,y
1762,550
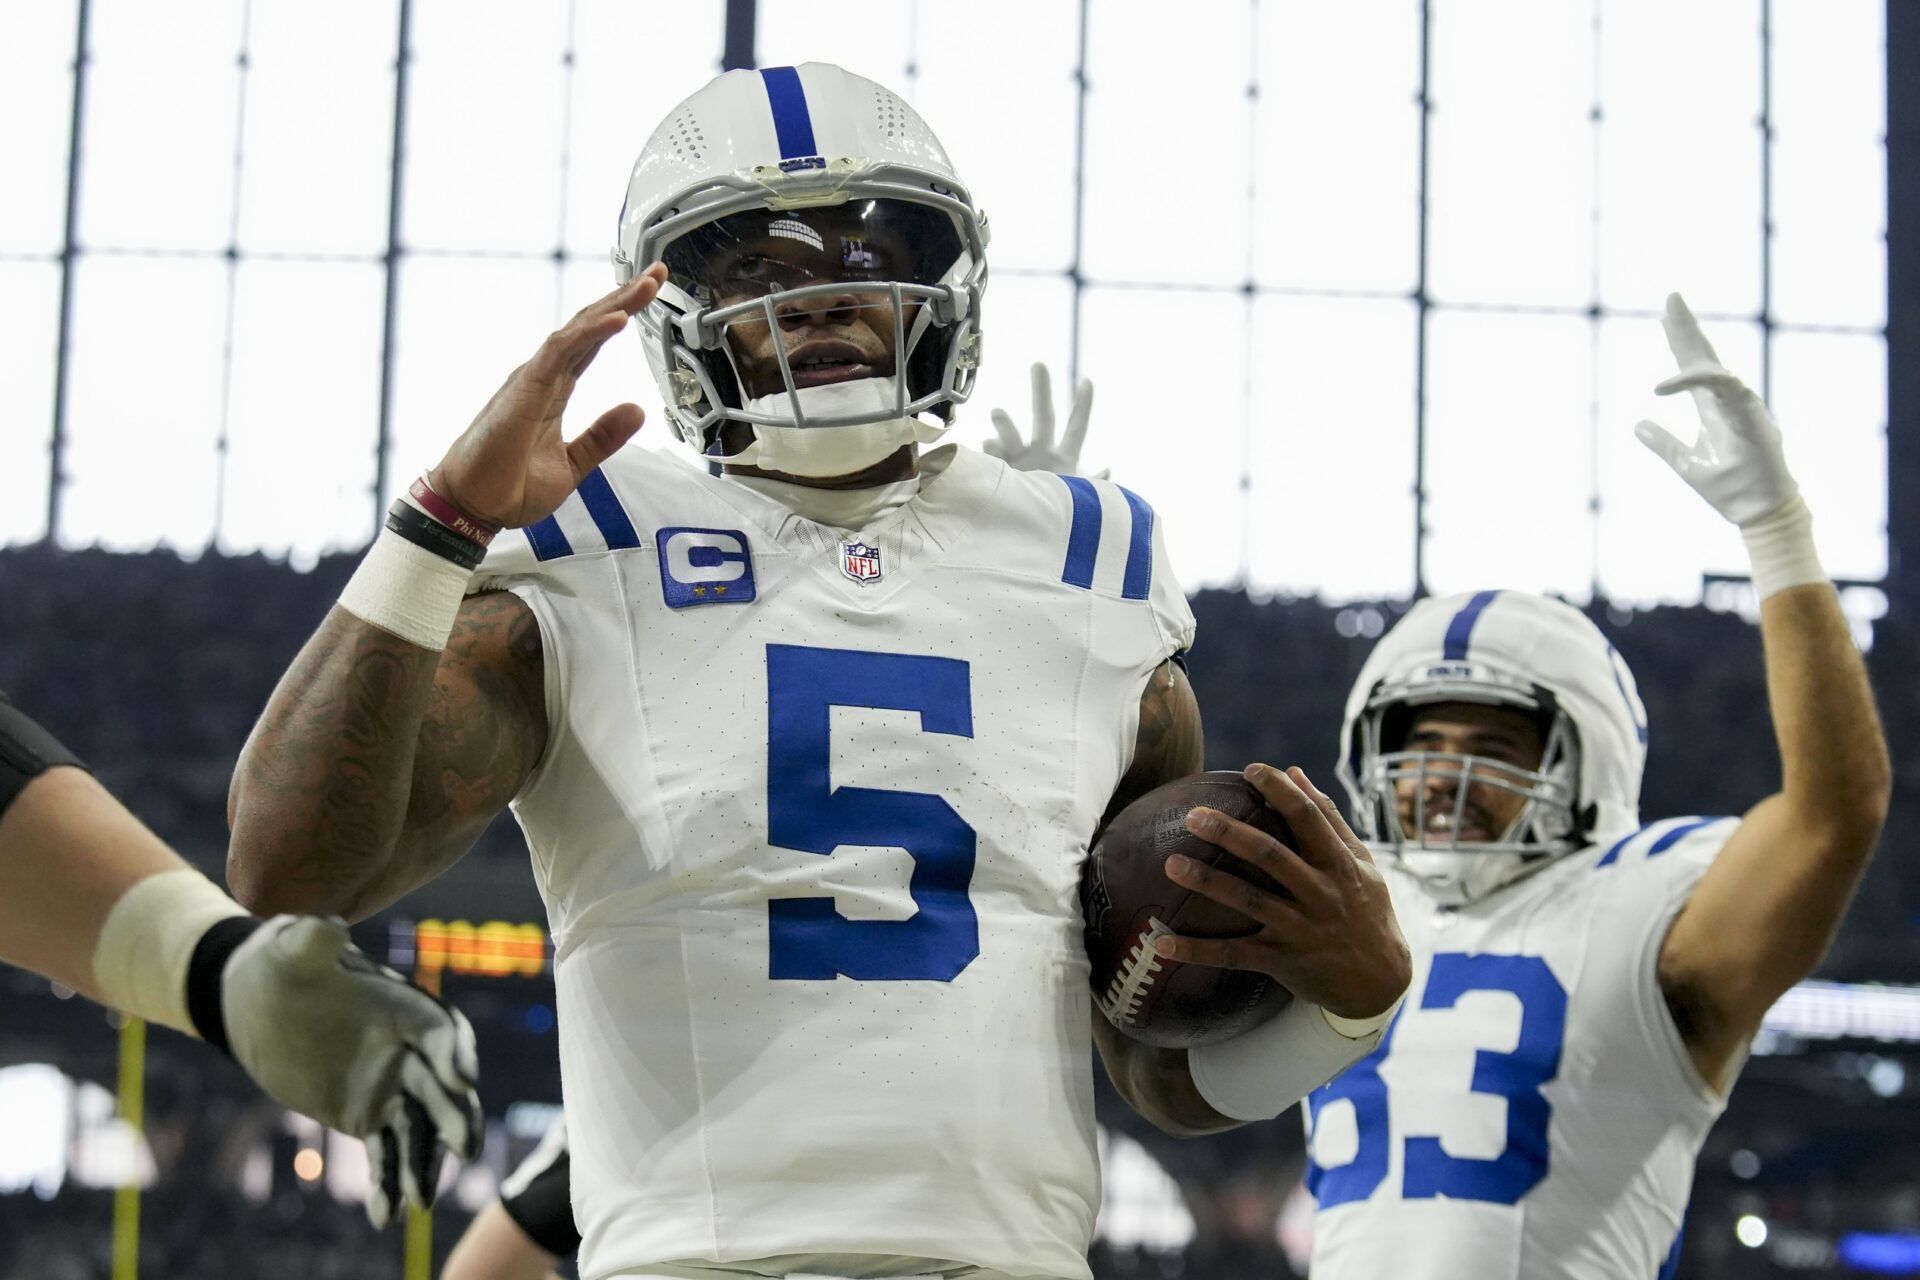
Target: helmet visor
x,y
751,255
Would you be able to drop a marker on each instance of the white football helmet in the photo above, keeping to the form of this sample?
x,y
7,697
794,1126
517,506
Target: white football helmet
x,y
1505,649
852,190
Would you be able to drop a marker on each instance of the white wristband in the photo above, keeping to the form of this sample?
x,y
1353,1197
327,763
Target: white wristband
x,y
1780,545
141,958
407,590
1262,1072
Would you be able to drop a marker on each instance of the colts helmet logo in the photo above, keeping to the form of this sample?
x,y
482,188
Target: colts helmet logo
x,y
860,562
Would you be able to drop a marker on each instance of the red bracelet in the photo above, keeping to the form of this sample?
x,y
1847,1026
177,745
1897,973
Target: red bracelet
x,y
449,515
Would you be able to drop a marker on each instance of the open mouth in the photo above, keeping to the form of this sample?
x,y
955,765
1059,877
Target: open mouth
x,y
1441,829
819,364
820,373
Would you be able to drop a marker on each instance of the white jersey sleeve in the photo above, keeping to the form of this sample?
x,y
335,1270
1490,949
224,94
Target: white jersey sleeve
x,y
1534,1075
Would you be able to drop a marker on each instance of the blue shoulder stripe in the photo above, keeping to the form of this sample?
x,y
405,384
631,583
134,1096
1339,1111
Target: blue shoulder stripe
x,y
1664,841
1677,834
1083,539
608,515
1139,576
547,540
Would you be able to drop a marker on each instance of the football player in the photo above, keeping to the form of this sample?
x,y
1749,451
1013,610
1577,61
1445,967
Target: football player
x,y
807,753
1585,984
93,900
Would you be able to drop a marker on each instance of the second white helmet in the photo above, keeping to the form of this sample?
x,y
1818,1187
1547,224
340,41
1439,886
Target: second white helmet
x,y
1509,649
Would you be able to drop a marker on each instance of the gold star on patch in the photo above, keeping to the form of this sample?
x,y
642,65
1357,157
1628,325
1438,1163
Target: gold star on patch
x,y
720,591
699,591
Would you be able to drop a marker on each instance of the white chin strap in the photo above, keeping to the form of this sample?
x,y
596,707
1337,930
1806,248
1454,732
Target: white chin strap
x,y
822,452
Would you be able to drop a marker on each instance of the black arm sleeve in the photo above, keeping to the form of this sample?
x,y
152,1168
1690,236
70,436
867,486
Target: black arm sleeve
x,y
539,1198
26,751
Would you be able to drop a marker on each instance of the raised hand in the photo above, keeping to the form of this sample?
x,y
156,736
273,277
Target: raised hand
x,y
1736,462
1332,937
1041,455
512,467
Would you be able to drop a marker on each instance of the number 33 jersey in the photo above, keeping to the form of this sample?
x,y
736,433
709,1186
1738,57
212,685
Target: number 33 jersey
x,y
808,827
1532,1113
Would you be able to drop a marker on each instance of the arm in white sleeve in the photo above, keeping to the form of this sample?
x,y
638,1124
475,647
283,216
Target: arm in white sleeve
x,y
1259,1074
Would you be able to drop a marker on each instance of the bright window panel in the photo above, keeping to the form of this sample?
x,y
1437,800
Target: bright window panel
x,y
1830,395
1656,537
1511,160
1829,167
318,137
303,409
1028,319
872,40
1680,154
620,373
613,111
1509,453
1166,148
144,403
1337,140
1829,242
1829,67
486,111
465,324
1014,145
36,84
162,115
1331,448
1174,430
29,344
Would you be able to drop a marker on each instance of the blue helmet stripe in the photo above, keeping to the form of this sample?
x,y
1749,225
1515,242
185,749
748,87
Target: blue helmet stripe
x,y
791,121
1460,630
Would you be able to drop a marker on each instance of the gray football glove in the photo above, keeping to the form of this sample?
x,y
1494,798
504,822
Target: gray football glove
x,y
328,1032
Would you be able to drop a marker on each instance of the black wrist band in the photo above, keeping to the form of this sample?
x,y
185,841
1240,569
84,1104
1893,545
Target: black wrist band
x,y
26,751
205,972
423,531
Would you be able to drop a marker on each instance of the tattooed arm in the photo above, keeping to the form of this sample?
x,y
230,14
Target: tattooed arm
x,y
377,763
1156,1082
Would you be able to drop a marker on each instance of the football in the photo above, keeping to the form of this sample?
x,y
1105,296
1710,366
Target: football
x,y
1127,901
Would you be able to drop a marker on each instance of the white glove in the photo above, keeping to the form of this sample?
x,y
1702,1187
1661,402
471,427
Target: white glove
x,y
1041,454
1736,462
328,1032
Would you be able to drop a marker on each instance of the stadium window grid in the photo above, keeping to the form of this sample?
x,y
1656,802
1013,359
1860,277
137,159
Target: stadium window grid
x,y
737,44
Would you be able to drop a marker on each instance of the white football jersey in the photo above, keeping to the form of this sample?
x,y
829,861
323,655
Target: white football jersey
x,y
1532,1111
808,827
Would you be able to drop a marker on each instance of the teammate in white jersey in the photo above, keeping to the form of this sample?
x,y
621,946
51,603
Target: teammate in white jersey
x,y
1585,986
807,753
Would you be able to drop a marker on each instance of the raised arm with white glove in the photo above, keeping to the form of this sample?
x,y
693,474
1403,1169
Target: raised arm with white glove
x,y
1736,462
1042,454
92,899
1764,913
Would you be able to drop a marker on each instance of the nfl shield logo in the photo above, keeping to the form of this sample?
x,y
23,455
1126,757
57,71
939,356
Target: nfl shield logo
x,y
860,562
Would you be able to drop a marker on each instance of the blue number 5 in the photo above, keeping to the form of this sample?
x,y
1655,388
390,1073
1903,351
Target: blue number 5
x,y
805,811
